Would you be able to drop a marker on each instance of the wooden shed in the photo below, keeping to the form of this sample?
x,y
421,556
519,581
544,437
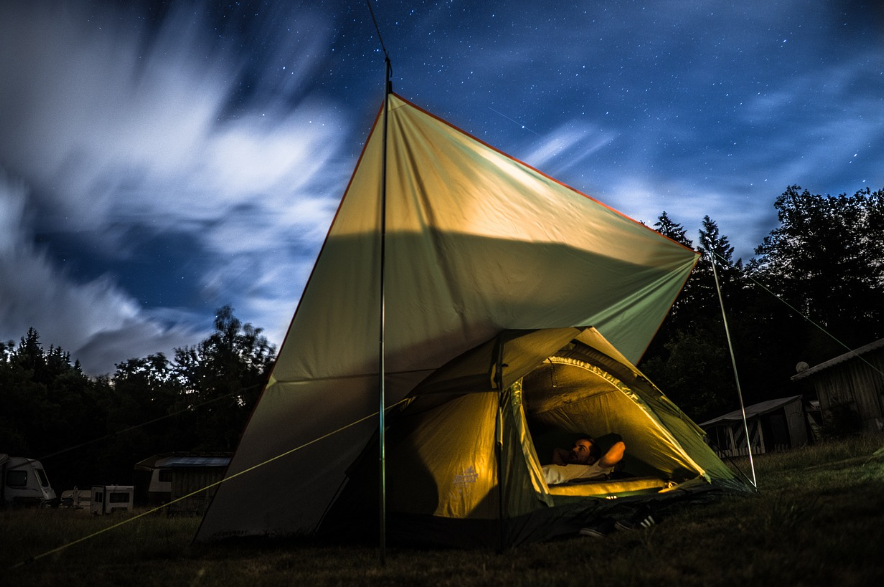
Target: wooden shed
x,y
774,425
186,481
850,388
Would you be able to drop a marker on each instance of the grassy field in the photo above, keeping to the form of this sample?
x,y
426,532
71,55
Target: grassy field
x,y
818,519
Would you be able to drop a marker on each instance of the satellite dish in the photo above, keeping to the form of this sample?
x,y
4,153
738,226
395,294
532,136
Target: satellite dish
x,y
802,366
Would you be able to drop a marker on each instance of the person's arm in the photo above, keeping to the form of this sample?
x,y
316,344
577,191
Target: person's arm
x,y
613,456
560,456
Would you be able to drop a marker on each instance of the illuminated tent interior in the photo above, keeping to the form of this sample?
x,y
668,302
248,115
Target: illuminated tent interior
x,y
471,244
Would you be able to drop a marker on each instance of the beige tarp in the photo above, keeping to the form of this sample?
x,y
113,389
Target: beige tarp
x,y
476,243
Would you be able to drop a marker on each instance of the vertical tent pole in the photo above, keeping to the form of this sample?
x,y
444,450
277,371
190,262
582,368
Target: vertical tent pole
x,y
382,466
730,347
499,440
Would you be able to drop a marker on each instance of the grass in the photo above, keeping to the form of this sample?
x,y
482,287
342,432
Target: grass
x,y
817,520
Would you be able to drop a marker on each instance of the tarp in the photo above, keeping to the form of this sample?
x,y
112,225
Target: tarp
x,y
476,243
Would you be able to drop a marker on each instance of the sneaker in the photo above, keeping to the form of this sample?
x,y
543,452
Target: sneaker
x,y
638,524
599,530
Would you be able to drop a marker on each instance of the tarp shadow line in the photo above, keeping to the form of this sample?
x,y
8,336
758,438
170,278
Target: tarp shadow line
x,y
353,376
614,260
198,491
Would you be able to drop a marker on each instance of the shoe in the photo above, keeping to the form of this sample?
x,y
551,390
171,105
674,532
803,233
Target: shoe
x,y
629,525
599,530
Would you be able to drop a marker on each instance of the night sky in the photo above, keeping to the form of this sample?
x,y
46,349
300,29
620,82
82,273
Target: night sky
x,y
161,159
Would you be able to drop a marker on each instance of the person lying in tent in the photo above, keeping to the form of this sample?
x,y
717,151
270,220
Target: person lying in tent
x,y
583,461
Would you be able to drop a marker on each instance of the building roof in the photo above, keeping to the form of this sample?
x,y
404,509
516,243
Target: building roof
x,y
840,359
752,411
176,462
184,459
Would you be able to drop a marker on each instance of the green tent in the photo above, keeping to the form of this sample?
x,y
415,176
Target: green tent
x,y
475,244
464,452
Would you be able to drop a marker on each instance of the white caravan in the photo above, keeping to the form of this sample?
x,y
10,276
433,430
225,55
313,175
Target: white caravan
x,y
107,499
24,483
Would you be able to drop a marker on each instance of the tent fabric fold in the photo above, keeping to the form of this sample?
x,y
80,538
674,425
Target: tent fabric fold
x,y
477,244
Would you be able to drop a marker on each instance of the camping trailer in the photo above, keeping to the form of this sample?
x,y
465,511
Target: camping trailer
x,y
107,499
24,482
80,499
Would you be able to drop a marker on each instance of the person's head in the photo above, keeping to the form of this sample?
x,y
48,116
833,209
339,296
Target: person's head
x,y
585,451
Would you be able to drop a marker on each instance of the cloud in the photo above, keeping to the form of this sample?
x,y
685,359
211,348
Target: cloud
x,y
121,130
736,213
567,147
92,320
130,124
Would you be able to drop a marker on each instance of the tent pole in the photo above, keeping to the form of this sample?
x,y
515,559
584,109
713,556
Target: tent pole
x,y
501,510
382,465
730,347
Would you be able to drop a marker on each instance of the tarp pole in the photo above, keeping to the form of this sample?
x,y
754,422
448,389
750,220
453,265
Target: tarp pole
x,y
730,347
382,465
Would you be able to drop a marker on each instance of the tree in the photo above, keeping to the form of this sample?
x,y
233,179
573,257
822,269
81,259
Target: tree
x,y
675,231
671,229
221,378
688,358
94,429
715,246
143,403
826,260
48,405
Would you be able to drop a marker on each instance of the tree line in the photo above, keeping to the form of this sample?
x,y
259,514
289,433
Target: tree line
x,y
813,287
93,429
812,291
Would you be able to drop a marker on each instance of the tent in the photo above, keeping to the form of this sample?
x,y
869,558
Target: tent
x,y
464,452
475,244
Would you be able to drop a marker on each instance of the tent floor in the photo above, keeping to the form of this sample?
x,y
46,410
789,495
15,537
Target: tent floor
x,y
600,488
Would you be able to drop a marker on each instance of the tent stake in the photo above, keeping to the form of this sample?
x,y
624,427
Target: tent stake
x,y
730,347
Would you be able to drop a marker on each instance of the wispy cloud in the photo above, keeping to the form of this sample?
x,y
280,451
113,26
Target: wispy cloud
x,y
93,320
567,147
111,129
